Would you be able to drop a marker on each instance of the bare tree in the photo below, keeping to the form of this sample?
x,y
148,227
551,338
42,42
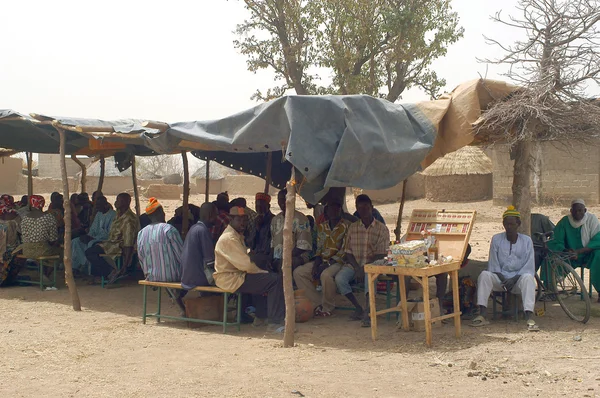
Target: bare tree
x,y
162,165
554,65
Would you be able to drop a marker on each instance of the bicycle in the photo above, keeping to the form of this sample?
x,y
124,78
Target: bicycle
x,y
562,282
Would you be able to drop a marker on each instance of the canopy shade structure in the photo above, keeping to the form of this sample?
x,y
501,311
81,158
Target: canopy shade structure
x,y
332,141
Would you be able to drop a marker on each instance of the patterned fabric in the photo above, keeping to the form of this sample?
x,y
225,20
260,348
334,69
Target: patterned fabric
x,y
511,212
7,204
98,231
36,233
220,224
364,243
330,243
300,234
9,241
123,233
308,256
263,196
159,249
153,204
37,201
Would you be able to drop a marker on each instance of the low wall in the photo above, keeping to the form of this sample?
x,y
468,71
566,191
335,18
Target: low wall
x,y
458,188
244,185
164,191
215,186
415,189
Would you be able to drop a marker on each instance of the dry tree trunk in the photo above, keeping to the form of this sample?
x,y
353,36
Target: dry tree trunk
x,y
67,247
288,287
186,195
207,182
83,172
135,187
102,171
521,187
398,230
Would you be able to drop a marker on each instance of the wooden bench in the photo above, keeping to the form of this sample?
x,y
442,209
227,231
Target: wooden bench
x,y
40,260
207,289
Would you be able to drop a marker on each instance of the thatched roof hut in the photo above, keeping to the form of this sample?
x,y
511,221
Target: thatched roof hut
x,y
460,176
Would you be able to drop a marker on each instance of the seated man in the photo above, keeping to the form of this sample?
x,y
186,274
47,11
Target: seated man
x,y
579,234
249,232
159,247
98,232
511,268
367,240
222,220
198,255
259,239
121,241
235,272
301,236
328,261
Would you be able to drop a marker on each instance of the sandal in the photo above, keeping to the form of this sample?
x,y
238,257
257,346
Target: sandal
x,y
357,316
532,326
365,323
479,321
322,314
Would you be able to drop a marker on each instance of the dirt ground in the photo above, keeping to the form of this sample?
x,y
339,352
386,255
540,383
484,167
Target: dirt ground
x,y
106,351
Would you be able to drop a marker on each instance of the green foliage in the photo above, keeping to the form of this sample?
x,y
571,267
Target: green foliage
x,y
377,47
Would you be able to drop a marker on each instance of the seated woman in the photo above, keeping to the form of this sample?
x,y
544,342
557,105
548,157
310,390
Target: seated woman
x,y
98,232
9,239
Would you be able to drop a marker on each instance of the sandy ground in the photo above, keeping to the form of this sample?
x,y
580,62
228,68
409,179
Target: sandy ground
x,y
105,351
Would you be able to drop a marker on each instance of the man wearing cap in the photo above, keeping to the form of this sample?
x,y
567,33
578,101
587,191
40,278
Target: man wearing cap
x,y
159,247
329,259
222,220
260,237
235,272
301,236
579,234
511,267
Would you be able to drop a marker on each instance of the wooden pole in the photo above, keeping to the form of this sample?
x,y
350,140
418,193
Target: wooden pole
x,y
135,187
288,287
67,205
398,230
29,156
186,195
269,167
83,172
102,170
207,182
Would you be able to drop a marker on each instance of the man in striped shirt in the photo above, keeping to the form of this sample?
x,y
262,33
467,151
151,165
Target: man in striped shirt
x,y
159,247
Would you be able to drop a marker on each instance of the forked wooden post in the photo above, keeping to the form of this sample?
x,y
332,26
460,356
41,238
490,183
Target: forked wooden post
x,y
288,287
207,182
83,172
398,230
268,175
29,157
67,246
102,171
186,195
135,187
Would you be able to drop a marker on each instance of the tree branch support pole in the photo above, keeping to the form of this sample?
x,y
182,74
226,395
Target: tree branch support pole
x,y
186,195
29,157
288,287
102,171
207,182
135,187
521,187
398,230
83,172
268,174
67,205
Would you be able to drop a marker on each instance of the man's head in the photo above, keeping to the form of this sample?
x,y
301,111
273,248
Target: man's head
x,y
155,211
364,207
24,200
83,198
238,202
74,199
208,213
96,195
56,199
222,202
511,219
239,219
102,204
334,209
263,203
123,201
281,199
578,209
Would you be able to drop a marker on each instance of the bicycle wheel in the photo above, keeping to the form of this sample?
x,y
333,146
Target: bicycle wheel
x,y
567,286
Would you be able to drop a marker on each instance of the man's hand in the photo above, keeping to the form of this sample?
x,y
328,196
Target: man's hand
x,y
510,283
500,276
573,254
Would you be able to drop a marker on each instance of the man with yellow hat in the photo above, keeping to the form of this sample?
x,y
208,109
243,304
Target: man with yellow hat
x,y
511,268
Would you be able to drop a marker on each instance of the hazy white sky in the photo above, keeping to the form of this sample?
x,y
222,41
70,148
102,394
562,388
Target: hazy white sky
x,y
168,61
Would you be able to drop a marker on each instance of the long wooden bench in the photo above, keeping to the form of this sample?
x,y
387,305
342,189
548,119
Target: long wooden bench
x,y
207,289
40,260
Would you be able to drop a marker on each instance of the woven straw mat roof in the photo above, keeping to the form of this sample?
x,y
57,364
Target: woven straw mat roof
x,y
465,161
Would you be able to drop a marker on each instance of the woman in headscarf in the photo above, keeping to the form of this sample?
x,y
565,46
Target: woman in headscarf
x,y
39,231
9,239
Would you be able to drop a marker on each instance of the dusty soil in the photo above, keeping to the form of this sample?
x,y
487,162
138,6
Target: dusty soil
x,y
105,351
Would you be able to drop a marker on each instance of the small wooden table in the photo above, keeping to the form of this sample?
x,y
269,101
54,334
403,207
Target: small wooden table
x,y
421,275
